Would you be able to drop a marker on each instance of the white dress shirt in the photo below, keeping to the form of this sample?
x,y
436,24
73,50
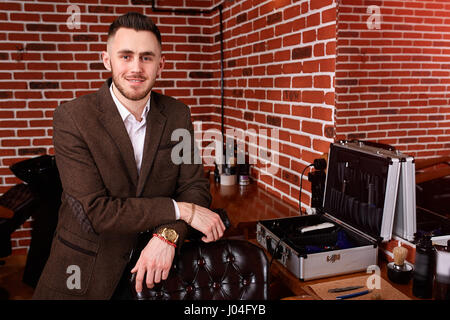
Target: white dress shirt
x,y
136,131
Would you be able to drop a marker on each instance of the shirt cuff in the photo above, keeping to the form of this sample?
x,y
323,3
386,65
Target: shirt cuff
x,y
177,210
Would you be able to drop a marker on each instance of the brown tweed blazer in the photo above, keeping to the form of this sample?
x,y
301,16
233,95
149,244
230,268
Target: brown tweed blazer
x,y
105,203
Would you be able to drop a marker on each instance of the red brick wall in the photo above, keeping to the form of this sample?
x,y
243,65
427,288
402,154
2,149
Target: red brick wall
x,y
279,71
392,83
279,74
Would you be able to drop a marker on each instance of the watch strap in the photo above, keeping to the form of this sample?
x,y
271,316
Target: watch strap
x,y
164,239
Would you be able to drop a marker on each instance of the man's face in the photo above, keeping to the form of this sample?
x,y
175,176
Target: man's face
x,y
134,58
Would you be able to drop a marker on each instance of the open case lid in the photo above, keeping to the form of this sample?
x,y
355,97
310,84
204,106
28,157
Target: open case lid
x,y
361,187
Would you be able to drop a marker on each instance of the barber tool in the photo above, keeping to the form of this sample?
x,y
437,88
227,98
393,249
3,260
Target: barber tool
x,y
442,286
399,271
317,179
244,174
319,226
343,289
424,268
216,173
352,295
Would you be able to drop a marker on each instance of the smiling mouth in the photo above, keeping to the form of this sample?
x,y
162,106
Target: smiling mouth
x,y
133,80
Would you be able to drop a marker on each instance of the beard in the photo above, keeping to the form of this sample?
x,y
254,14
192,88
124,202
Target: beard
x,y
131,94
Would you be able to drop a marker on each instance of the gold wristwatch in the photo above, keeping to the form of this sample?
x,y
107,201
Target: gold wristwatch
x,y
169,234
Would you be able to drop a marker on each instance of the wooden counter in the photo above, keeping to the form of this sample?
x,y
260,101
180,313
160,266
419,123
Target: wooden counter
x,y
246,205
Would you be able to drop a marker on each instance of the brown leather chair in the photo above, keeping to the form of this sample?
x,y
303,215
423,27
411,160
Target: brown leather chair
x,y
228,269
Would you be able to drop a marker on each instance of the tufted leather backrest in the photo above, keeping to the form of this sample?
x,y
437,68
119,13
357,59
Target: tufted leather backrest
x,y
227,269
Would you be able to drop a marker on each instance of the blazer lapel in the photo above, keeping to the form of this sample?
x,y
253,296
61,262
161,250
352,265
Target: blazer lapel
x,y
112,121
156,121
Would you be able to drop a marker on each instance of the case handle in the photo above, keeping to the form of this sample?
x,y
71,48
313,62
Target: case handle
x,y
375,144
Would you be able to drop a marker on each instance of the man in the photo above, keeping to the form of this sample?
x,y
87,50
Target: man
x,y
113,151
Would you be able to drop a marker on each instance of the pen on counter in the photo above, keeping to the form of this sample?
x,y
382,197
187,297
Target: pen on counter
x,y
352,295
345,289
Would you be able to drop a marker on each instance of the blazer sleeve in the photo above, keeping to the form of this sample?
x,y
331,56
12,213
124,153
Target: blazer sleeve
x,y
81,180
192,185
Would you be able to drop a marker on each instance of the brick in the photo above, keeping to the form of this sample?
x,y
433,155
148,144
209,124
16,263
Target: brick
x,y
313,20
291,124
309,36
322,82
241,18
302,82
282,82
41,27
274,121
328,32
313,96
312,127
310,66
301,111
44,85
84,37
289,68
5,95
274,18
322,113
330,132
346,82
15,142
292,95
41,47
200,75
317,4
302,53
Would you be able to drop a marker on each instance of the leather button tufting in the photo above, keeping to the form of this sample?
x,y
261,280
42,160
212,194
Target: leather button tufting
x,y
230,258
201,262
229,269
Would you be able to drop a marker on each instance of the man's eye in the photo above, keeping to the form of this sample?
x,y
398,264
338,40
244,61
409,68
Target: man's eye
x,y
125,57
146,59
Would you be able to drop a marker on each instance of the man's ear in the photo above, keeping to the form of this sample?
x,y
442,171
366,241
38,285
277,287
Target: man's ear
x,y
162,61
106,60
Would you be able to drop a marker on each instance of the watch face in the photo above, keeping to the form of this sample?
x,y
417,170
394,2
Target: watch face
x,y
170,234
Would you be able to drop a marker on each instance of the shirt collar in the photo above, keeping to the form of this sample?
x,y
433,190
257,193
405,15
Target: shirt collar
x,y
124,112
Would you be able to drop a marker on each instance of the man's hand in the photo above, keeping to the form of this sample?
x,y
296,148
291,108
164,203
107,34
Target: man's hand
x,y
204,220
155,261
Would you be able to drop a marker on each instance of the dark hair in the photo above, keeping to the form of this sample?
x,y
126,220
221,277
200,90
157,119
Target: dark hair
x,y
136,21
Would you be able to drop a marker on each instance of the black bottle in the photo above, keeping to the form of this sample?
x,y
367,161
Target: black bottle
x,y
442,286
424,268
216,173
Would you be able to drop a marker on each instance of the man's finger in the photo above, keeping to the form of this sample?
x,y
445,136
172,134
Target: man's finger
x,y
139,279
134,269
165,274
150,278
158,276
206,239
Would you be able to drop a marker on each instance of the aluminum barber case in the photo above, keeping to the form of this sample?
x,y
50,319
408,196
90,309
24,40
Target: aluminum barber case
x,y
360,202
